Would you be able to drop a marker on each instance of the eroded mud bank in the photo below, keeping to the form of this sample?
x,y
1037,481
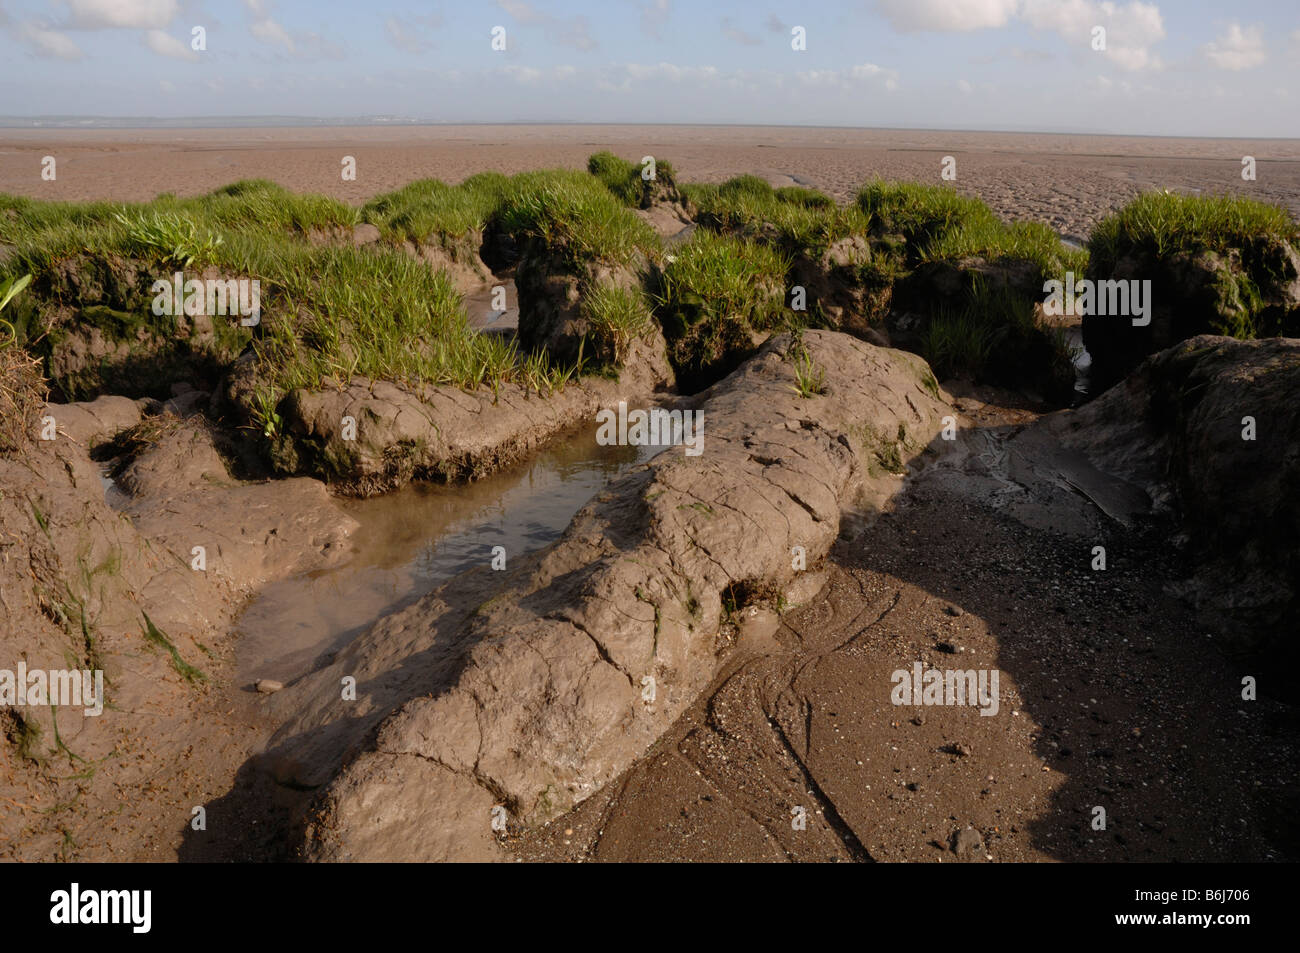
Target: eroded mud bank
x,y
133,537
530,692
144,594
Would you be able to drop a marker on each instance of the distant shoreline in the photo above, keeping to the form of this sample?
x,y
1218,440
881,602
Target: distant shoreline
x,y
127,123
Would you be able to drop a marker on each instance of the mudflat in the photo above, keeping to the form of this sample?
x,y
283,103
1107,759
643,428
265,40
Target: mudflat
x,y
1065,181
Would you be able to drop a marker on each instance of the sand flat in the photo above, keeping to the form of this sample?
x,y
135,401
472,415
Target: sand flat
x,y
1065,181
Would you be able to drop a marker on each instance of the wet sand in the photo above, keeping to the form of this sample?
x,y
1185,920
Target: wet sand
x,y
1110,696
1065,181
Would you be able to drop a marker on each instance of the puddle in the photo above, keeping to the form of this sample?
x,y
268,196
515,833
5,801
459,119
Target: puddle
x,y
480,305
414,539
1081,359
113,494
678,238
1079,355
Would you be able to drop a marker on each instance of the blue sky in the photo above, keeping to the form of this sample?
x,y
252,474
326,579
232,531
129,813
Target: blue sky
x,y
1171,67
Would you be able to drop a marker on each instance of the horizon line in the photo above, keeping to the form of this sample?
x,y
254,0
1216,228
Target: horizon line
x,y
66,122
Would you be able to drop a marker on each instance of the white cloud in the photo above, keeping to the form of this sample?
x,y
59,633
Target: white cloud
x,y
1133,58
956,16
571,31
852,77
524,75
1131,28
1070,18
50,43
141,14
304,45
1104,84
1240,48
164,44
265,28
527,75
671,72
964,86
622,77
523,12
51,40
870,71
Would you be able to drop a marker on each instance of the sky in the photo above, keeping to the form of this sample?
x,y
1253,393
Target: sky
x,y
1174,67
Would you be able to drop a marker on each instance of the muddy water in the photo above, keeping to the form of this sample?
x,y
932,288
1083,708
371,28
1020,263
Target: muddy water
x,y
1082,361
412,540
1079,355
484,316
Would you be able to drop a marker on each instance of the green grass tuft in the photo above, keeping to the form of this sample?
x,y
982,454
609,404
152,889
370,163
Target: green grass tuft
x,y
937,223
617,316
156,637
920,213
801,221
717,293
807,198
576,217
622,178
171,239
746,187
809,377
429,211
1163,223
330,310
